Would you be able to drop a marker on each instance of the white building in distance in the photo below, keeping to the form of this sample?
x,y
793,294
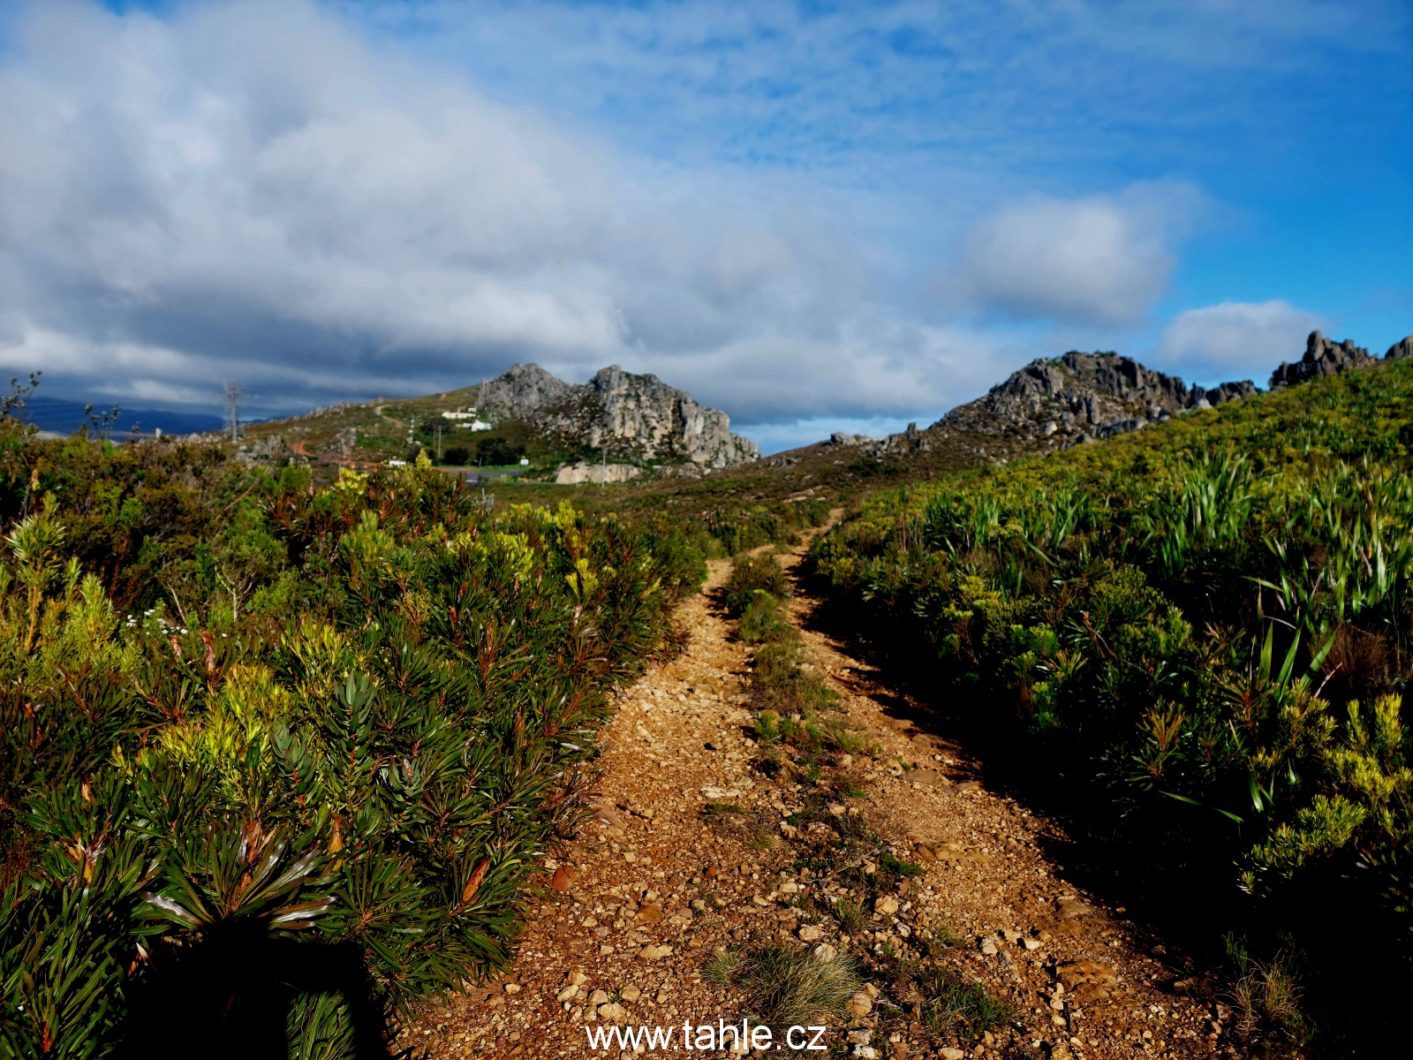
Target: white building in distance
x,y
467,420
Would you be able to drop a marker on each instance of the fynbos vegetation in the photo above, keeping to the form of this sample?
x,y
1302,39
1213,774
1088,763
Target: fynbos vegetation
x,y
1205,627
277,760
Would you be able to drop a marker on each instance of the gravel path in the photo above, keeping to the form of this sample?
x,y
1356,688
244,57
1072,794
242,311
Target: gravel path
x,y
653,886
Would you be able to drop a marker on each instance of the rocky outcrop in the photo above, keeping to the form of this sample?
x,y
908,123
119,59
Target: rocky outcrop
x,y
633,417
1083,396
574,474
1052,403
663,422
1322,357
1401,349
1199,398
522,391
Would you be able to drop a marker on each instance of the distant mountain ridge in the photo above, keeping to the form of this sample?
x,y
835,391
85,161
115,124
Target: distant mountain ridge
x,y
633,417
63,416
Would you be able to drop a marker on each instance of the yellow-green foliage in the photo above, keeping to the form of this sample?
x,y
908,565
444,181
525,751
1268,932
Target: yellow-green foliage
x,y
238,722
1364,808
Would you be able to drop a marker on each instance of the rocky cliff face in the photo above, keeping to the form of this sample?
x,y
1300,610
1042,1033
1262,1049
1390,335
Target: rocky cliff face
x,y
599,474
1323,357
635,417
1082,396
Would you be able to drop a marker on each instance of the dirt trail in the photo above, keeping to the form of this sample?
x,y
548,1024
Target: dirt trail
x,y
652,887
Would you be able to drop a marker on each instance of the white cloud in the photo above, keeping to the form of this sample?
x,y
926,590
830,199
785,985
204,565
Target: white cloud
x,y
335,199
1099,258
149,390
256,191
44,350
1236,339
857,371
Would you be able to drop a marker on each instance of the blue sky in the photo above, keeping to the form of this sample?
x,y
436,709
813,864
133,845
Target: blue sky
x,y
815,216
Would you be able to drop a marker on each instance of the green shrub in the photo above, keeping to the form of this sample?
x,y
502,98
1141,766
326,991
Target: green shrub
x,y
753,574
249,724
740,527
763,619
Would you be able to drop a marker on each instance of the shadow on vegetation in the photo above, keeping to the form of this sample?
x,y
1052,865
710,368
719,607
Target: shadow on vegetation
x,y
1091,855
234,995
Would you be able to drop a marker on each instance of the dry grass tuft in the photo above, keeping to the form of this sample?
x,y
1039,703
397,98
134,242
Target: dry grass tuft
x,y
791,987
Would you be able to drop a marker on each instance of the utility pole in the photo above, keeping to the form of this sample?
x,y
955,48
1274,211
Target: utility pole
x,y
233,396
439,443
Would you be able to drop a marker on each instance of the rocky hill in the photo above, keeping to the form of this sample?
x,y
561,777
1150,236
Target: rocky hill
x,y
633,417
1082,396
1051,403
523,391
1054,402
524,421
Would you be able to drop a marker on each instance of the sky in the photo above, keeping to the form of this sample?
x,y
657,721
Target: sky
x,y
815,216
